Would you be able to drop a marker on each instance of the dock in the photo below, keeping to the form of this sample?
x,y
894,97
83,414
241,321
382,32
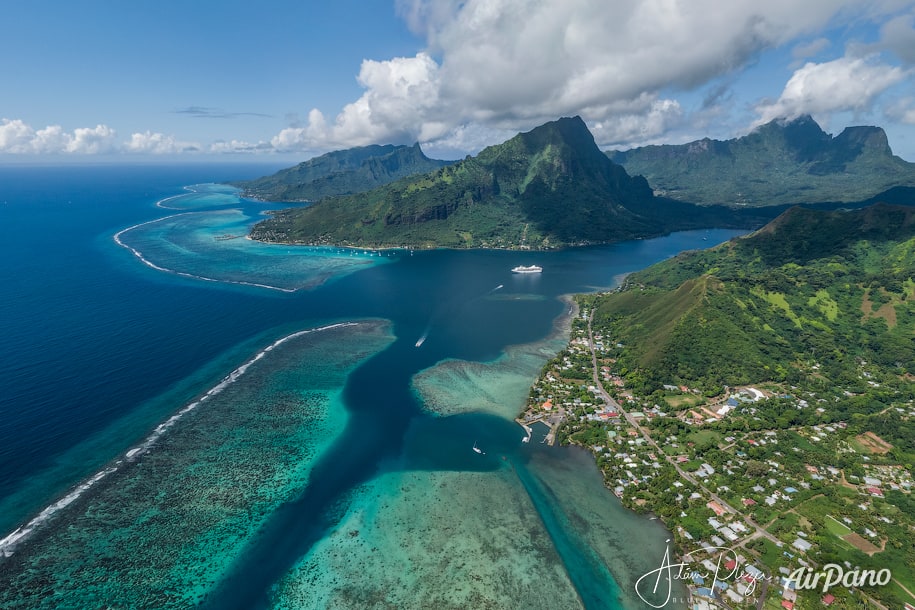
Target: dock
x,y
550,422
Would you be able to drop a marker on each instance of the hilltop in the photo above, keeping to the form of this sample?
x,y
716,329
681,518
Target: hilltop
x,y
341,172
549,187
781,162
811,286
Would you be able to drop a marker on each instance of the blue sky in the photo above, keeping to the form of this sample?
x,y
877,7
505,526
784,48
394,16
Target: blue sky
x,y
278,79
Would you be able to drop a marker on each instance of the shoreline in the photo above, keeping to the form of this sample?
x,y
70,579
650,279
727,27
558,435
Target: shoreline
x,y
562,326
550,438
558,333
517,248
385,248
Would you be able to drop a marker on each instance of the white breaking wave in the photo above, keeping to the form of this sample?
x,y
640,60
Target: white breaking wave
x,y
152,265
10,542
161,202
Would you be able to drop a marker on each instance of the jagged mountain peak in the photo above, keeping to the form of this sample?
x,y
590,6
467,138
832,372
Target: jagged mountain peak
x,y
572,130
784,161
567,132
546,187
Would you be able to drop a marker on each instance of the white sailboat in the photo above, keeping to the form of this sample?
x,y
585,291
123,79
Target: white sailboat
x,y
477,449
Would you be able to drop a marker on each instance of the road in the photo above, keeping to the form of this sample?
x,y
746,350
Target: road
x,y
648,439
756,529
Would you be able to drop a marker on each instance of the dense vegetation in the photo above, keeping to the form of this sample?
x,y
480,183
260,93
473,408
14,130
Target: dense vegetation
x,y
548,187
809,297
779,163
342,172
816,314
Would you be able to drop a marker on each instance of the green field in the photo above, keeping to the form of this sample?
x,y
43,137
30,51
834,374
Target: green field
x,y
857,447
682,401
702,436
836,528
800,442
772,556
899,592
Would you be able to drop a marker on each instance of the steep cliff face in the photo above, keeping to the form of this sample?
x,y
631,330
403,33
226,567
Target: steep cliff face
x,y
779,162
548,187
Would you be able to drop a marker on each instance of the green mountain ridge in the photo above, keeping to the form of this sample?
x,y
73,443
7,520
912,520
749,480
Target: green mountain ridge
x,y
828,288
342,172
549,187
781,162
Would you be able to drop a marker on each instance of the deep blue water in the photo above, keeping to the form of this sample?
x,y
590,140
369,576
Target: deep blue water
x,y
84,338
91,340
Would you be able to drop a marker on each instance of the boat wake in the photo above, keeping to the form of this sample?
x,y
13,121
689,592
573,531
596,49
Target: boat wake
x,y
11,541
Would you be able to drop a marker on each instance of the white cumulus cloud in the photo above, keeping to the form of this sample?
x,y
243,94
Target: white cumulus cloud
x,y
633,69
91,140
512,64
401,103
157,144
844,84
17,137
646,122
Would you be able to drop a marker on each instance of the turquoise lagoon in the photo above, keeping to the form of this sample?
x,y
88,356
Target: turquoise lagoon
x,y
332,470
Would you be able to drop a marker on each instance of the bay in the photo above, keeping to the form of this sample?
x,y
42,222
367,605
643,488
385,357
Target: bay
x,y
103,341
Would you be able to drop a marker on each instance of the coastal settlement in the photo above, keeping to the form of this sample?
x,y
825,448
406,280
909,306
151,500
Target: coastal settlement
x,y
732,471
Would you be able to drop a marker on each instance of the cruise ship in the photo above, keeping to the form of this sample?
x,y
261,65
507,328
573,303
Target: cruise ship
x,y
527,269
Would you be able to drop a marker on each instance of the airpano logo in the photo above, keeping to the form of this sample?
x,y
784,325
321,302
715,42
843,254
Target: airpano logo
x,y
832,574
721,566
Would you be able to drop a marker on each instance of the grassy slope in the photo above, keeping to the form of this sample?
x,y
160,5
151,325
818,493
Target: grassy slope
x,y
746,312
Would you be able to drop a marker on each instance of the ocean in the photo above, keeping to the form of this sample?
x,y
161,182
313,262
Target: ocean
x,y
191,418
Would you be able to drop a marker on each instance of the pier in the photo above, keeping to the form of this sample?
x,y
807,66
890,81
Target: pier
x,y
552,422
